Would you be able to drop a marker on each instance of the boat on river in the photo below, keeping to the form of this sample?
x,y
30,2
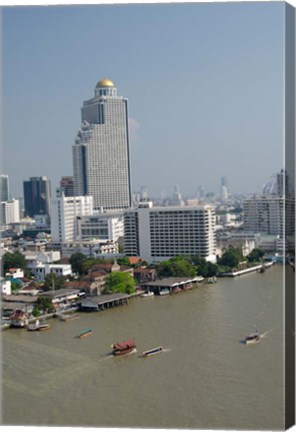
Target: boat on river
x,y
68,317
37,326
126,347
252,338
85,333
147,294
152,351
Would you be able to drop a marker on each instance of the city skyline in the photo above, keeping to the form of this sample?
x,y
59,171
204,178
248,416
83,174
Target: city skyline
x,y
204,103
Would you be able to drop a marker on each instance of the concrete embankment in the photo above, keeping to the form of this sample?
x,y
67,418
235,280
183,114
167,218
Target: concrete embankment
x,y
260,267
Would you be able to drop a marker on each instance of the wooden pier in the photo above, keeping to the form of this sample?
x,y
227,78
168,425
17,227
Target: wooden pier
x,y
102,302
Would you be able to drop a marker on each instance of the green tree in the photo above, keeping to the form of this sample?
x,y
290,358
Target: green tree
x,y
13,260
176,267
256,255
53,281
15,285
43,305
119,282
77,262
203,267
231,257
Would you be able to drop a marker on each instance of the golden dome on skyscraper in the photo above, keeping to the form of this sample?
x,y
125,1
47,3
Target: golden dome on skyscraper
x,y
105,82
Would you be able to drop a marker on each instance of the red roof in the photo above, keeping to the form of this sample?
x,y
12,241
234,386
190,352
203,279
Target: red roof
x,y
134,260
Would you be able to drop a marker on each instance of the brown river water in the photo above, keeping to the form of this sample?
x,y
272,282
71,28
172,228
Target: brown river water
x,y
204,379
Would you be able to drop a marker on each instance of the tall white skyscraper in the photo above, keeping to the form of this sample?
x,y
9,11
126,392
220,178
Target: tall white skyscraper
x,y
101,152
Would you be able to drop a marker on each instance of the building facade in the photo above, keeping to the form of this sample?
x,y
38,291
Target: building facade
x,y
159,233
37,196
107,226
65,213
10,212
266,214
67,183
101,152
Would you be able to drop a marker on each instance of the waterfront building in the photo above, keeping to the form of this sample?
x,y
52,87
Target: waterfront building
x,y
65,211
101,152
4,187
37,196
159,233
67,183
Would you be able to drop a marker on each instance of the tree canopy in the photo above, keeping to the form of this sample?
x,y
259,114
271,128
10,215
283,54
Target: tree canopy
x,y
53,281
255,255
119,282
13,260
231,257
176,267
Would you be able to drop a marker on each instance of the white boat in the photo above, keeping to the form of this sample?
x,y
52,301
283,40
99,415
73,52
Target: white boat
x,y
252,338
164,291
37,326
147,294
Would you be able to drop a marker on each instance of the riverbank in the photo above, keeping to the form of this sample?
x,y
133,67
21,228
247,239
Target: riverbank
x,y
260,267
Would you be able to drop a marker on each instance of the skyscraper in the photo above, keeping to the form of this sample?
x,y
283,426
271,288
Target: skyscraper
x,y
101,152
37,196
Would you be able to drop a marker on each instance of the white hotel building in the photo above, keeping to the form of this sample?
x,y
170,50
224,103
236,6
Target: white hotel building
x,y
158,233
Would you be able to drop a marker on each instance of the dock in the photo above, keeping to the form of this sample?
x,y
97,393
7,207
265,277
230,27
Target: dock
x,y
104,301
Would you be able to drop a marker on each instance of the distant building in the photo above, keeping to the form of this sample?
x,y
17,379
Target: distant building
x,y
67,183
65,213
101,151
265,214
105,226
159,233
41,270
4,188
10,212
37,196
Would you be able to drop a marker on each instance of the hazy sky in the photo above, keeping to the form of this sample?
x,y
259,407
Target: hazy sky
x,y
204,83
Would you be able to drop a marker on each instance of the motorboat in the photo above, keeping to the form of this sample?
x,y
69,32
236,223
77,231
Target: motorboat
x,y
147,294
152,351
38,326
126,347
252,338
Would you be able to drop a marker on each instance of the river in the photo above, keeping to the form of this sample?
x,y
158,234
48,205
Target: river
x,y
205,378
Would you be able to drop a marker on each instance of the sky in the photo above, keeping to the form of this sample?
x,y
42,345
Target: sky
x,y
204,82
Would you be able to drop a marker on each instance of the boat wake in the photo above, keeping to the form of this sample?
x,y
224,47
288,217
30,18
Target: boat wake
x,y
266,333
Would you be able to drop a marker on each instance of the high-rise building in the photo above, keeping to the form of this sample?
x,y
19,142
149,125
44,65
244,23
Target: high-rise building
x,y
4,187
101,152
65,214
266,214
67,183
159,233
37,196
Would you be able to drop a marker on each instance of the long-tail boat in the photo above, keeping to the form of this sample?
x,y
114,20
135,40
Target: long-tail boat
x,y
125,347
